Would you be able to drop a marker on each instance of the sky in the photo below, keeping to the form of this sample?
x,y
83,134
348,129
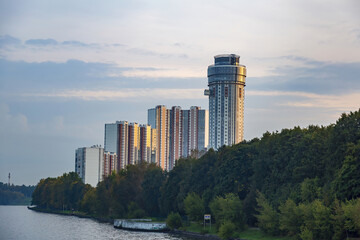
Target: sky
x,y
69,67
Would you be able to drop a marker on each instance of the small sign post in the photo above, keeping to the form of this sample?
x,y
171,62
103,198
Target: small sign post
x,y
207,217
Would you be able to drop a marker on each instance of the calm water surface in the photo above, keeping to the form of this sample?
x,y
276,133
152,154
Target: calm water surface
x,y
17,222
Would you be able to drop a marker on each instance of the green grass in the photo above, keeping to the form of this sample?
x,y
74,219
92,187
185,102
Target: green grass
x,y
250,234
199,228
255,234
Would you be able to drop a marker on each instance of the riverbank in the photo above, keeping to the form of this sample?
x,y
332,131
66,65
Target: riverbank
x,y
71,213
109,220
250,234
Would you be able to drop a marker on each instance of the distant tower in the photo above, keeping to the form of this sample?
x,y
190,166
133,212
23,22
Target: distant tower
x,y
9,180
226,81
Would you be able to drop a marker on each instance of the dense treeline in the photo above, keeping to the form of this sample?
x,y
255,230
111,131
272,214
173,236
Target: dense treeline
x,y
15,195
65,192
300,169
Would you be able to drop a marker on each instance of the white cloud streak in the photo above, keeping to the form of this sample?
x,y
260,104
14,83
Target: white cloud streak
x,y
123,94
345,102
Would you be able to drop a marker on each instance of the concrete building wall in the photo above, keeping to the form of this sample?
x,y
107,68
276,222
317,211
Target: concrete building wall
x,y
110,137
90,162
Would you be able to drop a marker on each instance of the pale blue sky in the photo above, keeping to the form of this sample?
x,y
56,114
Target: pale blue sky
x,y
69,67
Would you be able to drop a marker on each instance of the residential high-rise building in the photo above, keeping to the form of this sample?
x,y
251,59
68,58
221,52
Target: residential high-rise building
x,y
110,137
89,162
145,143
134,143
185,128
153,145
202,130
226,81
122,144
162,133
175,135
131,143
110,160
159,118
195,130
152,117
179,133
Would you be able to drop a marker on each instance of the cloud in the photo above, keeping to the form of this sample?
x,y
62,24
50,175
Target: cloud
x,y
42,42
139,94
6,40
79,44
312,76
10,123
146,52
343,102
49,42
19,76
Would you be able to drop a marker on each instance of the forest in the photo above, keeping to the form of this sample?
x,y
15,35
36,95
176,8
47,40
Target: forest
x,y
300,182
15,195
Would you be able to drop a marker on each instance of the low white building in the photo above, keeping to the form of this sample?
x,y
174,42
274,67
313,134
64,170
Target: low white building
x,y
89,163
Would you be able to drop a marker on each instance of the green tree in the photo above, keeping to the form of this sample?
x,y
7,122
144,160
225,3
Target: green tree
x,y
153,180
310,190
228,208
317,219
338,221
290,219
268,218
347,181
352,215
88,202
194,207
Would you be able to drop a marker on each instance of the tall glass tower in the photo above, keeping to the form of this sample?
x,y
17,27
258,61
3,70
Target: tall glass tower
x,y
226,81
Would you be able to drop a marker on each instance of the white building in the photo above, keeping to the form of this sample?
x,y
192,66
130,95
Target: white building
x,y
89,163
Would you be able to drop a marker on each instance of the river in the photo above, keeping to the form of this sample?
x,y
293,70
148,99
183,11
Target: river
x,y
17,222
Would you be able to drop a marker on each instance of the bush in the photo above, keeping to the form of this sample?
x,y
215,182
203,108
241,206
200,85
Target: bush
x,y
226,230
306,234
134,211
173,221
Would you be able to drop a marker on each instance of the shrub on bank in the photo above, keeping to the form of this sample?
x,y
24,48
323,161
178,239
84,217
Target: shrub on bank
x,y
173,221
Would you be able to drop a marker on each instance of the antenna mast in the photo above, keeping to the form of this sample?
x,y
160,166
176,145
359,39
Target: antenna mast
x,y
9,180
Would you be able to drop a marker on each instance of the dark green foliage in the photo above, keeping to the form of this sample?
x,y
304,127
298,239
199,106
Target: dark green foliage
x,y
352,215
310,190
346,183
134,211
290,218
268,217
153,180
65,192
227,230
131,193
15,195
88,203
173,221
194,207
228,208
299,172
